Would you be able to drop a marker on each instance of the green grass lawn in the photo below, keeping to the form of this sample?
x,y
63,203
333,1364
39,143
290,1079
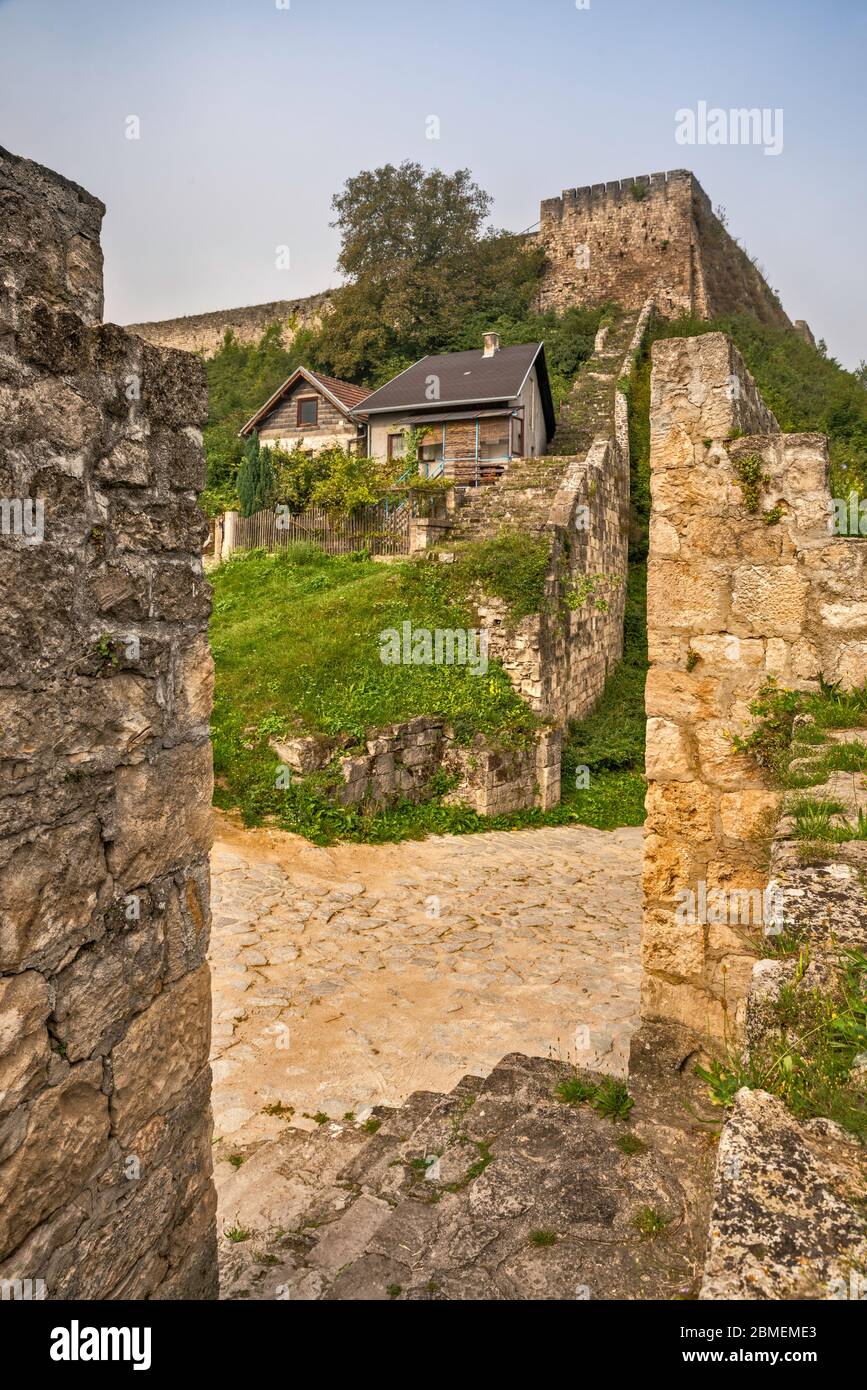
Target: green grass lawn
x,y
296,646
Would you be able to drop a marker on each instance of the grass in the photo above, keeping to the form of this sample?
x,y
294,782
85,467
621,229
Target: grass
x,y
650,1223
630,1144
236,1234
773,741
609,1097
541,1239
807,1056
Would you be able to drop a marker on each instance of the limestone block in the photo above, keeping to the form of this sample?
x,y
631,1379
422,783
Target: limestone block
x,y
187,923
680,809
668,867
162,815
683,696
769,601
689,597
851,664
163,1050
52,883
194,683
670,752
720,765
682,1002
746,815
664,539
180,593
671,946
65,1137
725,654
665,648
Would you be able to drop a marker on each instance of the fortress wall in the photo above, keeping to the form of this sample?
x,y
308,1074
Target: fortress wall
x,y
205,332
655,234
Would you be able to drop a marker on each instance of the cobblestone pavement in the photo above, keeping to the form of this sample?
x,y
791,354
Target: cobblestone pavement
x,y
352,976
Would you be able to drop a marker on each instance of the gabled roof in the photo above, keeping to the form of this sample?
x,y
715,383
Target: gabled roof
x,y
464,378
341,393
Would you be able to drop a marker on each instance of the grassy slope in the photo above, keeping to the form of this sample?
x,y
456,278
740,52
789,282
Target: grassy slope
x,y
295,640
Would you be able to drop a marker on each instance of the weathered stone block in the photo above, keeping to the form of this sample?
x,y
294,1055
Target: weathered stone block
x,y
748,815
64,1141
670,752
53,883
162,816
769,601
163,1050
671,945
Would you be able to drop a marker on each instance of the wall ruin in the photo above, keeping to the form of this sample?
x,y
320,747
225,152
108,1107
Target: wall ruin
x,y
105,820
734,597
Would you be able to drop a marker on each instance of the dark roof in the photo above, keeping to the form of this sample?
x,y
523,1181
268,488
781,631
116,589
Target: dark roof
x,y
343,393
465,378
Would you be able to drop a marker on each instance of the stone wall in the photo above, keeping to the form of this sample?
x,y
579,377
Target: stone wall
x,y
657,235
733,598
788,1217
560,658
204,332
399,762
105,696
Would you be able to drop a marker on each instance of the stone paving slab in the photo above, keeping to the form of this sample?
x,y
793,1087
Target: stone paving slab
x,y
351,976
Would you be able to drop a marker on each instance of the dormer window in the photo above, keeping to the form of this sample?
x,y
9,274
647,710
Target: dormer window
x,y
308,411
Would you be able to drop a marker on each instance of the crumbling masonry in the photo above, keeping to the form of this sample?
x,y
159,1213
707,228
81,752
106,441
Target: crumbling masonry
x,y
734,596
105,693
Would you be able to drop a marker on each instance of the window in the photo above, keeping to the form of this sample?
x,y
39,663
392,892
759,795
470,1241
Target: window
x,y
308,411
396,446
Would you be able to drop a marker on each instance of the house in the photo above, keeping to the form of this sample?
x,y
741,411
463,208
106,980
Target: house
x,y
479,410
310,412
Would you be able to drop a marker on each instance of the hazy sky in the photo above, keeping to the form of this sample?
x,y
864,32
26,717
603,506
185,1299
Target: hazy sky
x,y
252,115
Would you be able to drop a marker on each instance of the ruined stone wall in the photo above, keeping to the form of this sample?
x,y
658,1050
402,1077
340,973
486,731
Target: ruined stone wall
x,y
560,658
205,332
401,760
733,597
812,1241
655,234
105,696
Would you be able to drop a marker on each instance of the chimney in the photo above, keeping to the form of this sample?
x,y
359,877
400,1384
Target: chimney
x,y
492,344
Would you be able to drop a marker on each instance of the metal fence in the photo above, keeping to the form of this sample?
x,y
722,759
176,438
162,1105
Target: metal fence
x,y
383,530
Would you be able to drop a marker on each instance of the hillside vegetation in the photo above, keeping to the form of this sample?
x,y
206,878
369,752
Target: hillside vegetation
x,y
296,645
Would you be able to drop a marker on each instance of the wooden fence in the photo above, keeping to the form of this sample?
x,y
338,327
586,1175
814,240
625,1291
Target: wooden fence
x,y
382,530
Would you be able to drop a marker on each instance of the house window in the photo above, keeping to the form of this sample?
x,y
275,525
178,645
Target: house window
x,y
308,411
396,446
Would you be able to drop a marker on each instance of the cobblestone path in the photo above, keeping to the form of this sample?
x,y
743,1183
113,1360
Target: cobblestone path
x,y
352,976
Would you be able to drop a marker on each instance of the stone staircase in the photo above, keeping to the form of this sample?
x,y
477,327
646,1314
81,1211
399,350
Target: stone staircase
x,y
495,1191
589,408
522,497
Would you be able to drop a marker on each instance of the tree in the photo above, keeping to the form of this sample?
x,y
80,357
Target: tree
x,y
419,260
256,483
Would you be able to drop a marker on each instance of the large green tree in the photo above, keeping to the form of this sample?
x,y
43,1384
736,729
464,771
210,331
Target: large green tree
x,y
419,258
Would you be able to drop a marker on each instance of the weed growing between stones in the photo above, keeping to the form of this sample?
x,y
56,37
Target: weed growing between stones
x,y
650,1223
609,1097
808,1056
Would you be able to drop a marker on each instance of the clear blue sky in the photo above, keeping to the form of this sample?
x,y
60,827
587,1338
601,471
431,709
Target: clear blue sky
x,y
252,116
